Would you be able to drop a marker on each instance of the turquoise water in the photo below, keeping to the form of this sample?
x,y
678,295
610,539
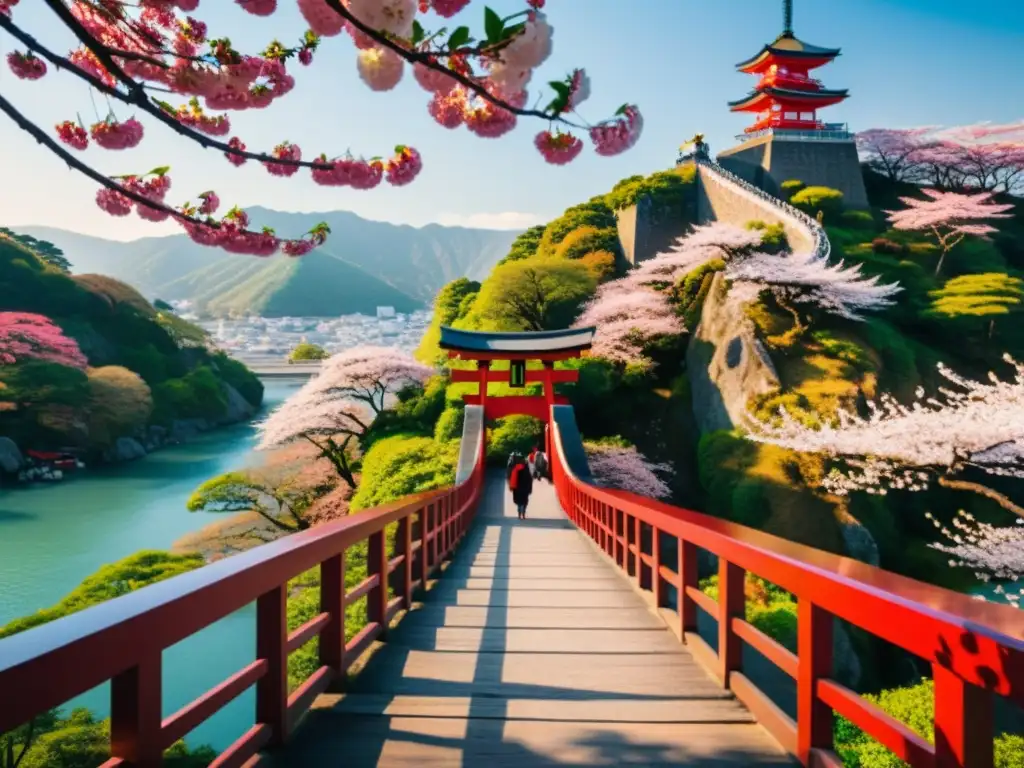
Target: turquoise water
x,y
53,536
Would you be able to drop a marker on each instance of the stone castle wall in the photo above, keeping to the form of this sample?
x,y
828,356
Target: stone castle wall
x,y
768,161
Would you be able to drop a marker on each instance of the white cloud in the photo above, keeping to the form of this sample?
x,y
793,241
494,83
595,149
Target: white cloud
x,y
502,220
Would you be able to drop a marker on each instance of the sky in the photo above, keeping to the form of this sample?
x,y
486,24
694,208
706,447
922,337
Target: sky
x,y
906,63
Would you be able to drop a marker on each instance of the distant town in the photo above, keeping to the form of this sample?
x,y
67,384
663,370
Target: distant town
x,y
273,338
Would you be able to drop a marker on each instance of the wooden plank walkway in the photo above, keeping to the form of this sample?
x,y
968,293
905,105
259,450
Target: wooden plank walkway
x,y
531,650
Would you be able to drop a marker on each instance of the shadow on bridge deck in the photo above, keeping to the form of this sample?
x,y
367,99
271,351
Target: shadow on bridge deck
x,y
531,650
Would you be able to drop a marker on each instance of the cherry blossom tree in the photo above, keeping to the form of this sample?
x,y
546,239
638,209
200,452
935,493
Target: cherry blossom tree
x,y
337,407
992,552
966,425
26,336
982,156
806,279
628,317
703,244
949,216
627,469
132,53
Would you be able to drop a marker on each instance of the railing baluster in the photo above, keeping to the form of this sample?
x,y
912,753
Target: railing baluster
x,y
814,654
424,544
657,583
687,555
272,645
963,722
405,536
731,602
435,533
638,561
136,714
332,601
377,564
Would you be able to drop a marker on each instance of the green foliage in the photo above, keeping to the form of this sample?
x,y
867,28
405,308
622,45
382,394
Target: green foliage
x,y
513,433
184,333
887,246
198,394
110,581
584,240
790,187
43,250
773,238
452,303
523,247
39,383
858,220
984,295
844,349
305,351
723,460
672,194
594,214
162,305
240,377
449,425
770,609
914,706
693,289
415,413
810,200
533,295
397,466
114,292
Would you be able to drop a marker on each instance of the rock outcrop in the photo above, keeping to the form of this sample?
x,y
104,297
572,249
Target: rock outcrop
x,y
11,459
239,409
124,449
726,362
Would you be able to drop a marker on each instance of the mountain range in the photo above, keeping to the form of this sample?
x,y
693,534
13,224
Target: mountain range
x,y
363,265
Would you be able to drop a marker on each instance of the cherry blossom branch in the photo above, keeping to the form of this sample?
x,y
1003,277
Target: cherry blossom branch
x,y
982,490
430,61
175,125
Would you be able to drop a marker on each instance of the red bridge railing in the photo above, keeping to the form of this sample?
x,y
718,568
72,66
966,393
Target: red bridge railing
x,y
976,649
123,640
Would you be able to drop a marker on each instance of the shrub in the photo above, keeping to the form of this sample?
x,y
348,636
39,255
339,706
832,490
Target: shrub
x,y
400,465
115,292
306,351
523,247
790,187
584,240
514,433
453,301
240,377
914,706
857,220
773,237
672,194
119,403
449,425
591,214
198,394
886,246
534,295
811,200
602,265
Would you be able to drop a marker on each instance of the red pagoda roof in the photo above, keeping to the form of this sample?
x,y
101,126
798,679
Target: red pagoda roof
x,y
762,99
788,49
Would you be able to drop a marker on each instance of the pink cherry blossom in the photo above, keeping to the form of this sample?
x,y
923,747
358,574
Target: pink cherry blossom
x,y
284,151
449,111
433,81
322,19
111,134
628,470
531,47
25,336
258,7
26,66
72,134
113,202
210,203
448,8
404,167
380,68
616,136
236,143
391,16
558,148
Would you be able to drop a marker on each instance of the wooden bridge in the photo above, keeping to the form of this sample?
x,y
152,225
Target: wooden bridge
x,y
570,638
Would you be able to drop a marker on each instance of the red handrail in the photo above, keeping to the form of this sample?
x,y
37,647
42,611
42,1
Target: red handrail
x,y
975,648
123,640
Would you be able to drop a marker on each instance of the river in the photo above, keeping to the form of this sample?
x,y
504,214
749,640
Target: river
x,y
54,535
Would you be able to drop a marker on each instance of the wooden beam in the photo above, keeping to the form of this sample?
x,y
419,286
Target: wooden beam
x,y
460,376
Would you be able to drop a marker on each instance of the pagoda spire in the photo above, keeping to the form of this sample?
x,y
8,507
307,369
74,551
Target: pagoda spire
x,y
787,16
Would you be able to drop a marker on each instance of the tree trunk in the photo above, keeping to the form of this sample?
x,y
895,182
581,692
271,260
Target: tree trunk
x,y
991,328
798,326
981,490
942,258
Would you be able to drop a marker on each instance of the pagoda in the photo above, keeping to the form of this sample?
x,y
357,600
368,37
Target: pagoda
x,y
787,97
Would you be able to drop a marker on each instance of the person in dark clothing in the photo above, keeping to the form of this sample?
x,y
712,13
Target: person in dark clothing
x,y
520,482
538,462
513,458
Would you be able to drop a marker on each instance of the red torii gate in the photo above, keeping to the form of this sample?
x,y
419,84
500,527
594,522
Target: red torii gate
x,y
546,346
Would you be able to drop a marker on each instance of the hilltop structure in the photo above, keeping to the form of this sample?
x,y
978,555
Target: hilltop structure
x,y
788,140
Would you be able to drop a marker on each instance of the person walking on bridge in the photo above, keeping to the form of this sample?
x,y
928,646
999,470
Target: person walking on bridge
x,y
520,482
539,463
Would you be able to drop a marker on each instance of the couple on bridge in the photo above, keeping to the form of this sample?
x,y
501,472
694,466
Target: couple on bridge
x,y
521,474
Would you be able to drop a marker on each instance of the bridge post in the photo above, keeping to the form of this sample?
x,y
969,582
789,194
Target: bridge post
x,y
963,722
332,602
377,565
272,646
136,714
405,536
732,602
687,565
814,654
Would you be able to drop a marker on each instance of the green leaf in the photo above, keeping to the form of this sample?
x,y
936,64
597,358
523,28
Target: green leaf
x,y
417,33
400,148
560,88
169,109
163,170
493,25
459,38
512,31
622,110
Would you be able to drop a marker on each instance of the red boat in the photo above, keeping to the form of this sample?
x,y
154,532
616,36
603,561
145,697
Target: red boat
x,y
57,459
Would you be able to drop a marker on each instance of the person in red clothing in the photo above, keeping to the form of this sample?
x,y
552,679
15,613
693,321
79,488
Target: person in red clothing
x,y
520,482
